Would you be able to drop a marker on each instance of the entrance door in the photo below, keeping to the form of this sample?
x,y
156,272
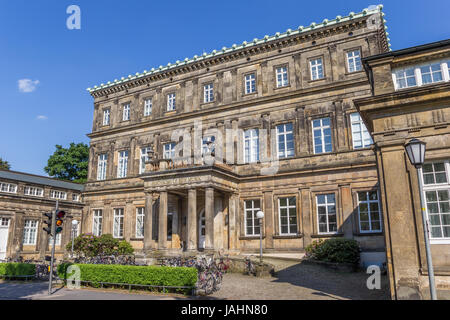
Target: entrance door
x,y
4,228
201,230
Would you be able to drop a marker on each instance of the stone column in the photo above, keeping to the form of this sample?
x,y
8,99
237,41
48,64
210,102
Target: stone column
x,y
66,236
347,210
218,223
209,218
131,159
340,131
307,216
269,219
162,230
129,217
108,220
176,240
43,241
192,239
301,137
148,222
232,216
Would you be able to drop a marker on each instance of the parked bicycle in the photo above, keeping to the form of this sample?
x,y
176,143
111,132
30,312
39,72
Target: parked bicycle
x,y
249,266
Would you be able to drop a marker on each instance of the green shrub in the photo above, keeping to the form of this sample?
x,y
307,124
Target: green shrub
x,y
88,245
17,269
334,250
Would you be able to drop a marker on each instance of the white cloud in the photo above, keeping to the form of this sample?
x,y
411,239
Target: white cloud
x,y
27,85
41,117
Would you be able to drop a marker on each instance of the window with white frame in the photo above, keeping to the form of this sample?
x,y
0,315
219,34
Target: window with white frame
x,y
436,189
405,78
207,144
126,112
101,166
431,73
369,212
140,214
171,99
122,168
322,135
418,75
106,117
287,211
326,213
143,158
57,240
147,107
285,140
60,195
169,150
75,197
208,93
251,207
316,67
354,61
360,135
118,223
251,145
282,77
33,191
8,187
30,232
97,222
250,83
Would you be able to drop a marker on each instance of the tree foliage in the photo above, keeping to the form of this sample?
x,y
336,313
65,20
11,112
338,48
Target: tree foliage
x,y
4,165
69,163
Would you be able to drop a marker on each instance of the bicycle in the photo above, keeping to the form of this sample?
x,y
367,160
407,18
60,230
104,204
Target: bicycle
x,y
249,266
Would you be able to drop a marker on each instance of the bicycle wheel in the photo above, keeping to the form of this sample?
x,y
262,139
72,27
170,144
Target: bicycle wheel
x,y
210,284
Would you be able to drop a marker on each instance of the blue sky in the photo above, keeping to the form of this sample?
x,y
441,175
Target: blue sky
x,y
118,38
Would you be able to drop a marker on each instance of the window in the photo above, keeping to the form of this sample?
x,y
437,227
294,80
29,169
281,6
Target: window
x,y
8,187
250,83
147,107
287,212
171,102
58,240
144,158
251,146
431,73
285,141
282,77
169,150
75,197
405,78
4,222
322,135
101,167
208,93
29,232
354,61
207,144
97,223
33,191
126,112
360,136
326,213
118,223
106,117
436,181
140,213
316,69
418,75
369,212
122,168
61,195
251,207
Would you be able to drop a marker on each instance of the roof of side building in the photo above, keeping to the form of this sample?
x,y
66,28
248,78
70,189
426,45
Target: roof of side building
x,y
35,179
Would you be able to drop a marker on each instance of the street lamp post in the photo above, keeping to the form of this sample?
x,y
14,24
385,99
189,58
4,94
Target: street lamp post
x,y
260,216
74,229
415,149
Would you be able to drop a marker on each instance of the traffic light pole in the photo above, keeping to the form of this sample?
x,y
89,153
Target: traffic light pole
x,y
50,277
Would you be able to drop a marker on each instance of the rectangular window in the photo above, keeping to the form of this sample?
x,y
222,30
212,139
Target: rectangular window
x,y
208,145
316,69
8,187
140,213
75,197
326,213
250,83
431,73
147,107
251,207
169,150
101,166
285,140
436,181
405,78
369,212
418,75
143,159
33,191
97,223
287,211
61,195
118,223
106,117
360,136
251,145
322,135
29,232
126,112
171,105
58,240
354,61
4,222
208,93
282,77
122,168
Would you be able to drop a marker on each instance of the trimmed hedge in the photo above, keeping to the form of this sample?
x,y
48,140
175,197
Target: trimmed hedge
x,y
334,250
139,275
17,269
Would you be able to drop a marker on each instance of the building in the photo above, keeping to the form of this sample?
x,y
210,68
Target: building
x,y
411,99
24,198
277,116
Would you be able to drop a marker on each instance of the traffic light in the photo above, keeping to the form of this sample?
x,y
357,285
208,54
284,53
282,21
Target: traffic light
x,y
59,221
48,222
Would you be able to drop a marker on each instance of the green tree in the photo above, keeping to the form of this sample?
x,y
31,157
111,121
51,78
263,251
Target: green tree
x,y
4,165
69,163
